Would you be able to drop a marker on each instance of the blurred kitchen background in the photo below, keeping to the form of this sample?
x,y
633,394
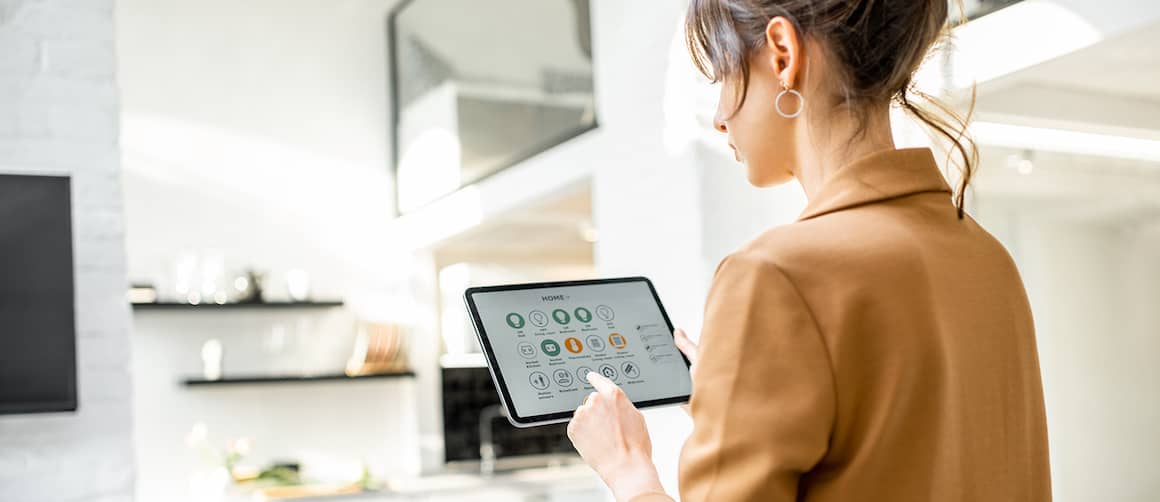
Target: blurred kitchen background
x,y
276,205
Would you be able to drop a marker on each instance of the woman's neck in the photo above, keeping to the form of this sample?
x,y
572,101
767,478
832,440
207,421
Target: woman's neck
x,y
820,157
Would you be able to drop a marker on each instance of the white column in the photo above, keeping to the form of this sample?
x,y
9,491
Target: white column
x,y
668,211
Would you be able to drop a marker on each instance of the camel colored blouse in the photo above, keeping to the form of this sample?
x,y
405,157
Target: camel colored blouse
x,y
878,349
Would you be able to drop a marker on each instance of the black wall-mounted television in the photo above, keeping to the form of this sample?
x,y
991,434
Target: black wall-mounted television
x,y
37,328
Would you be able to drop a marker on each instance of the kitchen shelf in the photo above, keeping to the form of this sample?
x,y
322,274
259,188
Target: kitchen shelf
x,y
320,304
284,379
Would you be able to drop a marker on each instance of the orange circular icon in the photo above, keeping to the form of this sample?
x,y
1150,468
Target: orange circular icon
x,y
573,345
617,340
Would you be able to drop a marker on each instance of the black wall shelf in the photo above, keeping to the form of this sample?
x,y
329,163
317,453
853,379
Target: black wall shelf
x,y
284,379
238,306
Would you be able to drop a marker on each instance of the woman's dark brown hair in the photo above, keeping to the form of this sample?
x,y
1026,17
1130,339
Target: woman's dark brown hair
x,y
876,44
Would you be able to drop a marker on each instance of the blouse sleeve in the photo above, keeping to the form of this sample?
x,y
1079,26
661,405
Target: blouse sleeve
x,y
763,399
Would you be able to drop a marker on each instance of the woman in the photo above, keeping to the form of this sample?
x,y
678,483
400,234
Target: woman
x,y
879,348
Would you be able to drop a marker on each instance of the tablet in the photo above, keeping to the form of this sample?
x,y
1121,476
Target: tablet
x,y
542,339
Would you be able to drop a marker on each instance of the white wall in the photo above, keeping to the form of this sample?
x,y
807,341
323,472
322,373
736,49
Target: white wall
x,y
332,428
58,115
1093,288
258,131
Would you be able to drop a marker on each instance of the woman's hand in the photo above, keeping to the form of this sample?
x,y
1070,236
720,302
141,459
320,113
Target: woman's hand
x,y
610,434
689,349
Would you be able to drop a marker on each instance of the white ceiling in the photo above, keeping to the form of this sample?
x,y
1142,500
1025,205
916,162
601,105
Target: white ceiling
x,y
1125,66
1113,84
1111,87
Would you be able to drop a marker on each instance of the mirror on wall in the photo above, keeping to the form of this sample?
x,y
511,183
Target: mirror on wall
x,y
480,86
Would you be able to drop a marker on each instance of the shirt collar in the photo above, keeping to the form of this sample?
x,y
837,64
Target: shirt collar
x,y
882,175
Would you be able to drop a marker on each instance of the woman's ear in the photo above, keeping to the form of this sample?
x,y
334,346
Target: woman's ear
x,y
784,50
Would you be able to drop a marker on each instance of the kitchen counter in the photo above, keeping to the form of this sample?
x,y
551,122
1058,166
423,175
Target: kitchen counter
x,y
576,482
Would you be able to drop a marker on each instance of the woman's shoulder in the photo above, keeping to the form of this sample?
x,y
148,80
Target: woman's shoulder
x,y
860,248
806,241
775,253
834,246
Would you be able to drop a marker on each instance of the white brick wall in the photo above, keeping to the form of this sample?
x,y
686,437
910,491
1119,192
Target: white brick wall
x,y
59,115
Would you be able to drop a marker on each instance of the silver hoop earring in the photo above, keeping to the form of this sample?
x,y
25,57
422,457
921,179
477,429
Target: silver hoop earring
x,y
801,103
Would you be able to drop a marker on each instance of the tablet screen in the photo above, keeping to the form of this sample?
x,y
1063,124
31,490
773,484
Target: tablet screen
x,y
545,340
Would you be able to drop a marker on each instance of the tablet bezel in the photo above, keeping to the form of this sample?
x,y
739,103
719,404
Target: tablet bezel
x,y
493,364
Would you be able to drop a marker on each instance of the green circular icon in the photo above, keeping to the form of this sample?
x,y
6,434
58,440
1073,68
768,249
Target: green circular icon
x,y
550,347
515,320
583,314
561,316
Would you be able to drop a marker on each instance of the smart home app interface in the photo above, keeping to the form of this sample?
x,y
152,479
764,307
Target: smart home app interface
x,y
547,340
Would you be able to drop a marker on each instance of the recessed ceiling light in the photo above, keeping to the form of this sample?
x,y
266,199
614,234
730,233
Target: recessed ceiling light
x,y
1020,163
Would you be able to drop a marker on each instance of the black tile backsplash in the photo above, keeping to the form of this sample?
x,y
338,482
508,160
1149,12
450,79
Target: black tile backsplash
x,y
467,392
